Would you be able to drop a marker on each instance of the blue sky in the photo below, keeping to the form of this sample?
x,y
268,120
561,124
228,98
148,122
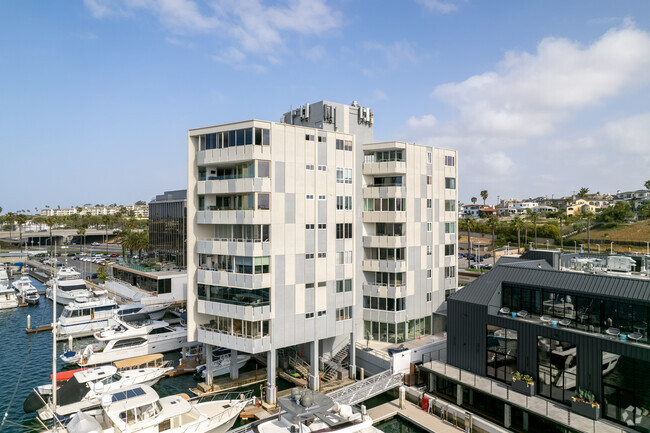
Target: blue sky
x,y
540,98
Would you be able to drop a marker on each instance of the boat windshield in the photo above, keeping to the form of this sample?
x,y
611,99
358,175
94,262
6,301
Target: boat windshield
x,y
73,287
111,379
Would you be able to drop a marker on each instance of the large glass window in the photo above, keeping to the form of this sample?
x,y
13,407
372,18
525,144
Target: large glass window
x,y
557,369
502,351
626,391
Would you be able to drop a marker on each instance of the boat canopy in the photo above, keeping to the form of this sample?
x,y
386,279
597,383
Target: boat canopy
x,y
126,364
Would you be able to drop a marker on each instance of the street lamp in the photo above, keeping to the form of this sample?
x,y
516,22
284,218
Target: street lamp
x,y
547,244
575,247
508,249
611,247
598,245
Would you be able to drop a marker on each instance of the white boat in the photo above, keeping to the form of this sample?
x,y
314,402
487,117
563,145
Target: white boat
x,y
311,412
8,297
221,364
84,389
133,338
25,290
68,285
139,409
85,316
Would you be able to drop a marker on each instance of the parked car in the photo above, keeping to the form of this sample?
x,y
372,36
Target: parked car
x,y
95,244
114,255
487,255
471,256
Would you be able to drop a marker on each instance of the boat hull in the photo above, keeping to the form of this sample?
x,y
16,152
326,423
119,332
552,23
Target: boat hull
x,y
169,344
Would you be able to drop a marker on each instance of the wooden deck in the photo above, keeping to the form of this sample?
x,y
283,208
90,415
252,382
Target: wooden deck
x,y
414,414
225,383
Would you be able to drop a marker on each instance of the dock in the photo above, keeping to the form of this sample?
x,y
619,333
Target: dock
x,y
225,383
37,329
188,367
414,414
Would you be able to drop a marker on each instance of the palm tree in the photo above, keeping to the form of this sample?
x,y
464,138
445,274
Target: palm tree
x,y
20,220
518,224
646,184
471,224
560,218
493,222
588,216
81,231
484,195
50,221
583,192
532,215
474,199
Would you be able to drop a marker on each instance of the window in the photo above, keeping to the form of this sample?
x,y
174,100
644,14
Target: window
x,y
501,353
309,227
348,202
263,201
310,167
322,284
556,359
343,286
450,249
309,316
450,160
322,168
429,296
383,204
309,286
321,256
309,137
322,139
343,257
450,205
429,273
450,228
344,313
348,175
322,226
429,227
263,168
344,202
344,231
428,203
309,196
322,313
344,145
429,249
321,196
450,271
429,158
450,182
339,175
428,180
309,256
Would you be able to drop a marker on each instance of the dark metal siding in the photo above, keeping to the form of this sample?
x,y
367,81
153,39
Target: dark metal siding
x,y
466,345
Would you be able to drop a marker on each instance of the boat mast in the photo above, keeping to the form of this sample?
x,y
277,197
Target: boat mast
x,y
54,289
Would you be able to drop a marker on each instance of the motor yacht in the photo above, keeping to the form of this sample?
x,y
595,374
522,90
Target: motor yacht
x,y
220,364
85,316
140,409
136,336
84,389
8,297
25,290
68,285
310,412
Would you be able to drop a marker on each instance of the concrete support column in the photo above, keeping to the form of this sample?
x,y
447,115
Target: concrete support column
x,y
271,366
234,371
353,357
207,349
459,395
314,378
506,416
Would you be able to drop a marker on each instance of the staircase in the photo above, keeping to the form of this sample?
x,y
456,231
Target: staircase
x,y
335,364
298,364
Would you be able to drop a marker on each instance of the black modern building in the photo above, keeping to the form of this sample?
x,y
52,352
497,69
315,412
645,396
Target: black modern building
x,y
567,330
168,226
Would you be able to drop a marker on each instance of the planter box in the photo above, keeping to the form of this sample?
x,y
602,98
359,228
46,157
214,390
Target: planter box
x,y
523,387
585,409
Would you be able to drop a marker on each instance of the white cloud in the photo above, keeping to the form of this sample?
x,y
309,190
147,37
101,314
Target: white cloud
x,y
630,135
396,54
249,25
379,95
442,7
531,93
427,122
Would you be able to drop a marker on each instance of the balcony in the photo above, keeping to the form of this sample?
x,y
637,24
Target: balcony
x,y
371,191
232,279
384,217
234,186
249,313
212,336
384,316
384,265
233,247
232,154
233,217
384,168
384,291
384,241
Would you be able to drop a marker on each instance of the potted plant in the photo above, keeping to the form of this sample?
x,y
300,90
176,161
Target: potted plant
x,y
584,403
523,383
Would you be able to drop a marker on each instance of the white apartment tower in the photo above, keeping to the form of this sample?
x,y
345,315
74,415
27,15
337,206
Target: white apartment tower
x,y
306,233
